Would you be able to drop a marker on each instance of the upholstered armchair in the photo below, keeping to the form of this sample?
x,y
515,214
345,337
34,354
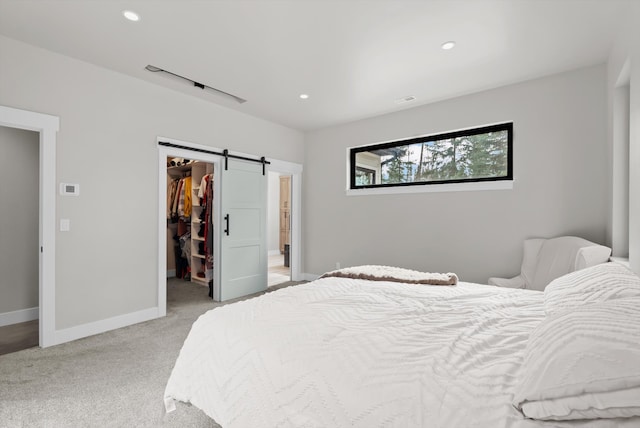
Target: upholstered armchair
x,y
547,259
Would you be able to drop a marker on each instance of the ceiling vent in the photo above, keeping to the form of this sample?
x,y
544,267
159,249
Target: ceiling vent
x,y
407,99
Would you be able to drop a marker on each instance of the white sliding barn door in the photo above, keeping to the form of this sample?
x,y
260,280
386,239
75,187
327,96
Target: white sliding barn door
x,y
243,256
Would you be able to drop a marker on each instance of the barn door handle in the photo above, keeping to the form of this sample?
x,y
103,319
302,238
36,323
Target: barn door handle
x,y
226,218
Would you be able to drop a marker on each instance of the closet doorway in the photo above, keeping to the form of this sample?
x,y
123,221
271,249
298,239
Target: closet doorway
x,y
237,266
185,271
189,227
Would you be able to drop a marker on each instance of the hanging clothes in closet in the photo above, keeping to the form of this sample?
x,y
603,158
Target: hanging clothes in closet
x,y
179,203
179,207
205,195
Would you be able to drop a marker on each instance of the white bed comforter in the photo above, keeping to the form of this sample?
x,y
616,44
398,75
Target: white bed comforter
x,y
354,353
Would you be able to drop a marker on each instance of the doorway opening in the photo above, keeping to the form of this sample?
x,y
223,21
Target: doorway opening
x,y
187,237
279,228
19,300
46,127
189,227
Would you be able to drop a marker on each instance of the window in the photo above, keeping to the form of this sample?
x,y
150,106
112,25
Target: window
x,y
365,176
471,155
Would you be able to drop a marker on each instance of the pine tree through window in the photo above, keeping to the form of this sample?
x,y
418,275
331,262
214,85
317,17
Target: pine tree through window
x,y
471,155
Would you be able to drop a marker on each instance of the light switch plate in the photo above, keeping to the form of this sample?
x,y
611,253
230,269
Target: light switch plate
x,y
65,225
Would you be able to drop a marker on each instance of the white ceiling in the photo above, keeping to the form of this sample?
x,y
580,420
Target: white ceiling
x,y
354,58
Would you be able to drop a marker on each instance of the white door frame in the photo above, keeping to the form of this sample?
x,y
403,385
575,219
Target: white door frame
x,y
295,239
289,168
163,153
47,126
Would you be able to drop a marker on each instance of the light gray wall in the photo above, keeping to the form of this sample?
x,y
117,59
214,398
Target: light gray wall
x,y
626,52
107,264
560,169
620,173
19,207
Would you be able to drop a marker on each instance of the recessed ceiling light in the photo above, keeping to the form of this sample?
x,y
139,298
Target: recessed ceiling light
x,y
304,96
448,45
131,16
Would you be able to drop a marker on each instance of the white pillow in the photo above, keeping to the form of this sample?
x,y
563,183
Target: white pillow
x,y
600,283
583,364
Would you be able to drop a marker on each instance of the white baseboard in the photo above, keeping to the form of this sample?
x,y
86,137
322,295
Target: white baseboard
x,y
22,315
310,276
171,273
97,327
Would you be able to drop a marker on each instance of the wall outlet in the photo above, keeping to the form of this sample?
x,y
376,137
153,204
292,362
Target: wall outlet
x,y
337,265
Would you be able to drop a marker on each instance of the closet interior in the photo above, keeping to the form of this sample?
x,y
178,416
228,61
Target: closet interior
x,y
190,199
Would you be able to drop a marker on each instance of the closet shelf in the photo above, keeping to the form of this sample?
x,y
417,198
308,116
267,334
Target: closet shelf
x,y
179,171
200,256
198,279
197,238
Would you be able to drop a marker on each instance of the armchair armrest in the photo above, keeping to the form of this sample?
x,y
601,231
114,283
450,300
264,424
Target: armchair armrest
x,y
515,282
591,256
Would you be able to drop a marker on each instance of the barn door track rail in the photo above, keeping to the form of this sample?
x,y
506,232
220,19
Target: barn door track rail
x,y
224,153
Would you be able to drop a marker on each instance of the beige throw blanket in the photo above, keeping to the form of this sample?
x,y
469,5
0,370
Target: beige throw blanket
x,y
395,274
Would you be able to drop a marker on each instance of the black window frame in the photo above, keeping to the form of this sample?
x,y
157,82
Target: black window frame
x,y
507,126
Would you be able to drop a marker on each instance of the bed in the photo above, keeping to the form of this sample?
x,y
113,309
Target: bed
x,y
343,351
